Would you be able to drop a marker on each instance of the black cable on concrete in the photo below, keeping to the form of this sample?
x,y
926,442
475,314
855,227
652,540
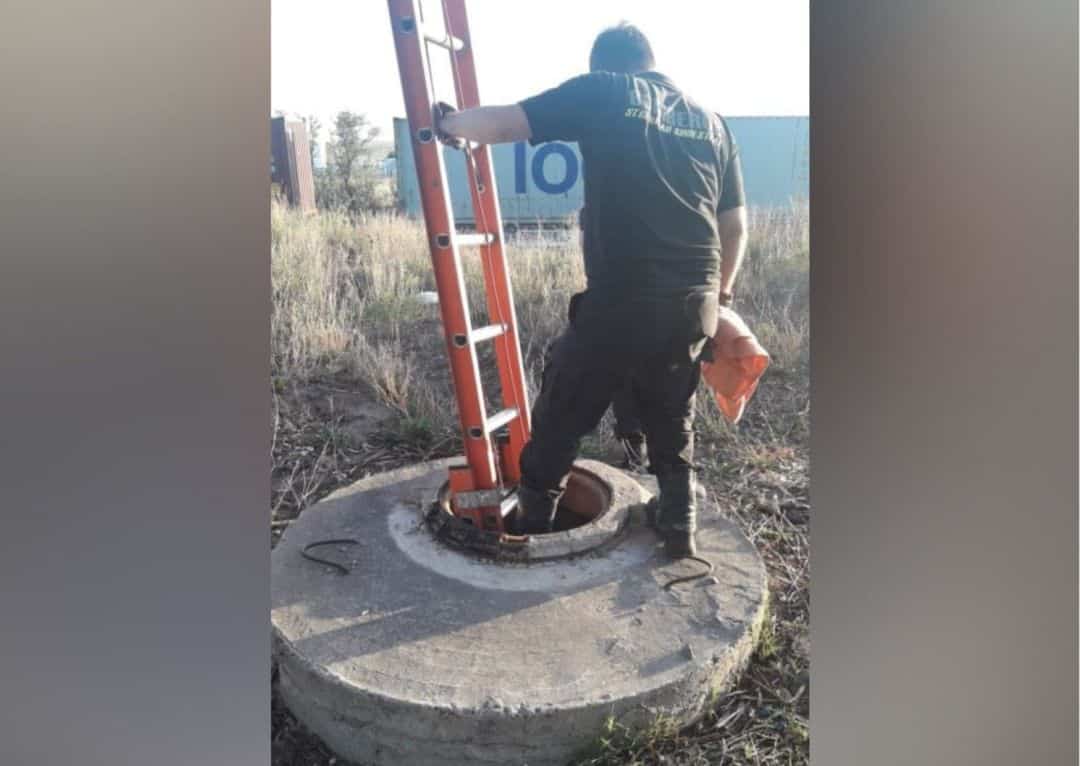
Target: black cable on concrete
x,y
688,578
340,567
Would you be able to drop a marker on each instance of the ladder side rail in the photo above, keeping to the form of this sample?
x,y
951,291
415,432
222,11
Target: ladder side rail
x,y
438,219
500,297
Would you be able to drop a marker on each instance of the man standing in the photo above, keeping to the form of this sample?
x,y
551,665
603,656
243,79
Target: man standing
x,y
665,232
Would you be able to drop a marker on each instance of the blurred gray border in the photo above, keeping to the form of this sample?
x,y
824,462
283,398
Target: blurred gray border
x,y
134,307
944,347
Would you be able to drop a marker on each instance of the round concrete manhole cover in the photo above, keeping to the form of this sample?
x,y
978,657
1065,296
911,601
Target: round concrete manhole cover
x,y
422,654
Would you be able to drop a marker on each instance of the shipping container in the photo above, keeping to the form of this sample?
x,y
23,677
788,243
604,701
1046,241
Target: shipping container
x,y
542,185
290,162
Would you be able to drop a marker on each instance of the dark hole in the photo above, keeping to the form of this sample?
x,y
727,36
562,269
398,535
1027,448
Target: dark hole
x,y
586,498
566,518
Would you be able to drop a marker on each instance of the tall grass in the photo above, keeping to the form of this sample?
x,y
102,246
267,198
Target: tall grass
x,y
346,302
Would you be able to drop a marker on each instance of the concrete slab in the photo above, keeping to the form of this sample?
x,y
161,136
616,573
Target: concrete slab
x,y
425,655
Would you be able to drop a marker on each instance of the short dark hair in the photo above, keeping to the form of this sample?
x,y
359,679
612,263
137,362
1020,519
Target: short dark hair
x,y
621,48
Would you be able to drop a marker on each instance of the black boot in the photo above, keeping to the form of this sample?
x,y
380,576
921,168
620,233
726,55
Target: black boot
x,y
675,513
535,514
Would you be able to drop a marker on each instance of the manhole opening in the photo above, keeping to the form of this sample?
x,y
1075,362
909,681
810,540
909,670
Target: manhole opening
x,y
586,518
586,499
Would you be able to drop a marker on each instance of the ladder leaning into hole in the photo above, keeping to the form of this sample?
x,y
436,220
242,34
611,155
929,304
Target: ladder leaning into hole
x,y
482,489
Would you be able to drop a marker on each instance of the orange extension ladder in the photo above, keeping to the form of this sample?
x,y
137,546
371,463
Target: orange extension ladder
x,y
482,490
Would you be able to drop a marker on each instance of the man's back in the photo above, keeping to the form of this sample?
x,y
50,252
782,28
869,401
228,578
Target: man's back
x,y
658,168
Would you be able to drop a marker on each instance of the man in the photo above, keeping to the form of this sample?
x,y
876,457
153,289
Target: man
x,y
665,232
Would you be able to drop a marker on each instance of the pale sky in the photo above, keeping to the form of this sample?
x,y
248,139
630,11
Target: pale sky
x,y
749,57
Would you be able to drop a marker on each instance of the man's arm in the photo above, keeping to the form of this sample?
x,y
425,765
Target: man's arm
x,y
488,124
731,225
565,113
731,219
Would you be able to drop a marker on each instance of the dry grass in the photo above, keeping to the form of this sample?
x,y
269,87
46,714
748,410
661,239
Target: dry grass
x,y
346,304
361,384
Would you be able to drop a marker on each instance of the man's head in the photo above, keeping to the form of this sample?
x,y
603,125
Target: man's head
x,y
621,48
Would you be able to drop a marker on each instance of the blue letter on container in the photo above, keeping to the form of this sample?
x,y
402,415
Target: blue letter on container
x,y
519,168
538,168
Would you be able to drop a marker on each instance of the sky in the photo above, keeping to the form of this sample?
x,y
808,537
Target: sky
x,y
749,57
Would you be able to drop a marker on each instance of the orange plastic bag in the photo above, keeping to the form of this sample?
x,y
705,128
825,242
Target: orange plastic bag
x,y
736,364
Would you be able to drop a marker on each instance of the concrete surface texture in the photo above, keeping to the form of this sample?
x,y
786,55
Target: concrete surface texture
x,y
426,655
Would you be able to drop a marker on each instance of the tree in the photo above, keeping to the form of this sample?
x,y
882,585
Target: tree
x,y
351,178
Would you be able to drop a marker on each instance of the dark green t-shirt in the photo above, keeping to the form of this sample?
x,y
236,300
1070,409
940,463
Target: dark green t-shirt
x,y
657,168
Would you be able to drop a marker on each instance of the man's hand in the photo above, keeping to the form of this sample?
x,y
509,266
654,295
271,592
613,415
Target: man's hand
x,y
481,125
441,110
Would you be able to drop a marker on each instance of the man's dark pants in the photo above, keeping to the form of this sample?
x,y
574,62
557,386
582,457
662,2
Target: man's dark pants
x,y
656,344
629,429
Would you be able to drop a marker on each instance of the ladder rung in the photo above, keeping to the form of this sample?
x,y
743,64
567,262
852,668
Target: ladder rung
x,y
500,419
486,498
474,240
487,333
480,498
508,504
449,42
